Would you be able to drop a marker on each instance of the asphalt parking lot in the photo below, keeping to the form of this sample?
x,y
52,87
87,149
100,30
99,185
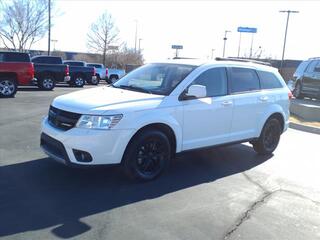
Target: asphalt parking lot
x,y
221,193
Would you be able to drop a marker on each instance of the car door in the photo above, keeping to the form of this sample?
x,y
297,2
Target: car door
x,y
309,81
245,90
315,82
207,120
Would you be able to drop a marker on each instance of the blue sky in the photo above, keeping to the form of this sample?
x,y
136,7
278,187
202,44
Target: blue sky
x,y
197,25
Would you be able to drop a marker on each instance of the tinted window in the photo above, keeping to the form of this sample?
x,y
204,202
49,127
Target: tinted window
x,y
80,64
215,80
243,80
16,57
268,80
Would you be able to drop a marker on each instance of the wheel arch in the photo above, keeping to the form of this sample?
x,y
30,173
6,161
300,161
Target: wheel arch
x,y
163,127
277,115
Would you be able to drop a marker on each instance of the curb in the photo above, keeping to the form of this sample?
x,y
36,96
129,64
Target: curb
x,y
304,128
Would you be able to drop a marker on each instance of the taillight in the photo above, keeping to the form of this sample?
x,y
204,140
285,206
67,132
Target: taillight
x,y
107,72
290,95
94,71
66,70
31,70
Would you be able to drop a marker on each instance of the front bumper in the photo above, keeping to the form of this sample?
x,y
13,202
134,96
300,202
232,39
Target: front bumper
x,y
105,146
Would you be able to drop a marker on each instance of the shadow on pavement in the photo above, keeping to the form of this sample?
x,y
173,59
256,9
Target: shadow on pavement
x,y
42,193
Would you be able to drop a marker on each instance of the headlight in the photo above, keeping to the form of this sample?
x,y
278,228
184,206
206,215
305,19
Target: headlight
x,y
98,122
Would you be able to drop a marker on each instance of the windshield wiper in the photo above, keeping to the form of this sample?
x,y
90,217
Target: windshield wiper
x,y
139,89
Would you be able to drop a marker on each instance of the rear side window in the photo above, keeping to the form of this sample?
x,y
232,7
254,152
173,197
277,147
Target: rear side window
x,y
243,80
16,57
268,80
215,81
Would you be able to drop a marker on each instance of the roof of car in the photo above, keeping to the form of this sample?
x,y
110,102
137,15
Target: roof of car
x,y
221,62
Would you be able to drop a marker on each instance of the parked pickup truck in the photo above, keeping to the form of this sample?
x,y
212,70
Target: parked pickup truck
x,y
101,70
80,73
115,74
49,70
15,69
111,75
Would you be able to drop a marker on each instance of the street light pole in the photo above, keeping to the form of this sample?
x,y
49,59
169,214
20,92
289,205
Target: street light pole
x,y
49,30
212,50
136,36
225,41
285,34
140,39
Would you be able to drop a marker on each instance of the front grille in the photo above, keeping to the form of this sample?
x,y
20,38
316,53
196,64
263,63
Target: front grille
x,y
62,119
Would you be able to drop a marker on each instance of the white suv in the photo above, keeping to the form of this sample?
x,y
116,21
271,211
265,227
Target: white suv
x,y
164,108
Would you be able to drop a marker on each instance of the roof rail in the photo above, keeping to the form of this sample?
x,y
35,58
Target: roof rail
x,y
242,60
314,58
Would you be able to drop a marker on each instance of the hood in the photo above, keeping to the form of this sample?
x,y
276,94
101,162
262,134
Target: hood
x,y
106,100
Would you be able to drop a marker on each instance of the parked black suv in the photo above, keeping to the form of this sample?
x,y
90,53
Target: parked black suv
x,y
307,79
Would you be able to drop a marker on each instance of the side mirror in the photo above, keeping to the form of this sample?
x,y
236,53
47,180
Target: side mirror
x,y
196,91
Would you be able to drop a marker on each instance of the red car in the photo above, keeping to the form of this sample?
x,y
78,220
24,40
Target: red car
x,y
15,69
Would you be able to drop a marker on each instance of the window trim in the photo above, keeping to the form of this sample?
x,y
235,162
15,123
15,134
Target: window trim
x,y
183,97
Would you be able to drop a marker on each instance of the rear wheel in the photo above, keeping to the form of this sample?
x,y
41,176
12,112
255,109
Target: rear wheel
x,y
269,138
46,83
147,155
95,81
8,87
78,81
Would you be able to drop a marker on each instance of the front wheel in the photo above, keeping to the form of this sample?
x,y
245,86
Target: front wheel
x,y
8,87
297,92
46,83
147,155
269,138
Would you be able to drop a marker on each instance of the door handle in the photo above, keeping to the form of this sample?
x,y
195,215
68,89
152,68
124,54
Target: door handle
x,y
227,103
264,98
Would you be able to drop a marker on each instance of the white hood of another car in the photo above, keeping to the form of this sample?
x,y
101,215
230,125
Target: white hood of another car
x,y
106,100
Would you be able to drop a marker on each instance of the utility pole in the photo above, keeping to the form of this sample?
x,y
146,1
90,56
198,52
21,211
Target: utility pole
x,y
225,41
49,30
136,36
239,45
285,34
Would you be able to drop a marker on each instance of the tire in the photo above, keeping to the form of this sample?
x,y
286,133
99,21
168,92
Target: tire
x,y
147,155
47,83
297,91
113,78
78,81
95,82
269,137
8,87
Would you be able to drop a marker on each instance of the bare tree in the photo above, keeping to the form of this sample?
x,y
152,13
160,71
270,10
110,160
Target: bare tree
x,y
22,23
102,34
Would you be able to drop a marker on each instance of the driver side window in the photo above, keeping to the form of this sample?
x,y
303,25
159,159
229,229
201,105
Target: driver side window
x,y
215,81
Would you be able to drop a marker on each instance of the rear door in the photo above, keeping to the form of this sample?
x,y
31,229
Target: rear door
x,y
245,90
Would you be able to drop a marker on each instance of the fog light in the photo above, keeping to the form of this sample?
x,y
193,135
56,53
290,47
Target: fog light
x,y
82,156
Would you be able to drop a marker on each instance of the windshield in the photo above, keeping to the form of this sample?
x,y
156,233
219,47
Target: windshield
x,y
155,78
